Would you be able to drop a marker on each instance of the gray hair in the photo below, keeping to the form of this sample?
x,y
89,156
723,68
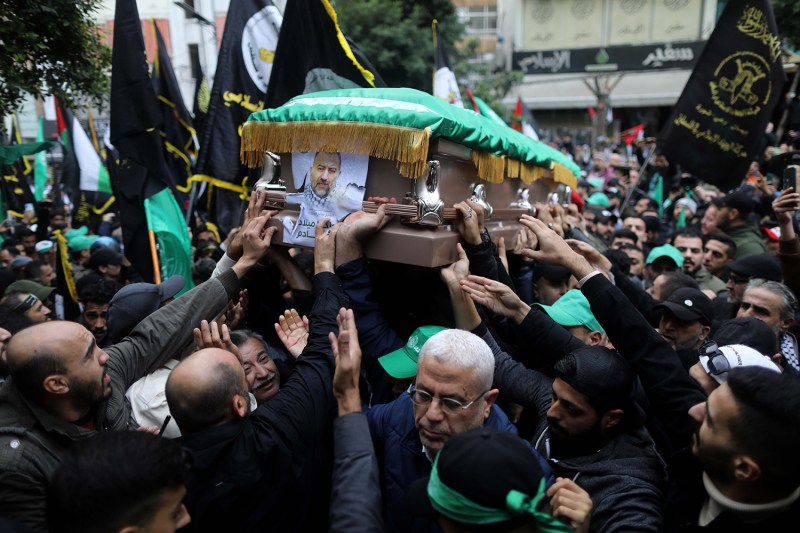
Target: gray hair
x,y
788,299
462,349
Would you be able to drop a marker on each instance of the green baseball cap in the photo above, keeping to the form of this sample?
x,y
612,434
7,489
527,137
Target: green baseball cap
x,y
81,242
665,250
76,232
26,285
598,198
571,310
402,363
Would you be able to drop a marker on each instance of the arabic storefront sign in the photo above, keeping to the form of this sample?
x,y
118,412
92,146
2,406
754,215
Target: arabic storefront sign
x,y
609,59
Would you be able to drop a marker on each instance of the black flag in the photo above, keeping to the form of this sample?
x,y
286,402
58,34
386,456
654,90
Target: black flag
x,y
176,122
718,124
243,71
202,94
15,188
136,165
315,55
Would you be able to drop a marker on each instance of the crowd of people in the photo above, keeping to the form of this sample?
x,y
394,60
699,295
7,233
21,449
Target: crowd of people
x,y
628,363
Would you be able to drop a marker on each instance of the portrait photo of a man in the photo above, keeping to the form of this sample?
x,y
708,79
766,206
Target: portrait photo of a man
x,y
330,185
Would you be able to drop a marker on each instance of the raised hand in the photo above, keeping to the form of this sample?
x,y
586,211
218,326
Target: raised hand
x,y
453,274
786,205
496,297
470,223
590,253
212,335
324,245
235,314
358,226
347,354
570,504
501,252
553,249
292,330
235,248
256,239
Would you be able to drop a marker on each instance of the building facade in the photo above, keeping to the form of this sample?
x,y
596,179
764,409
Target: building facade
x,y
637,53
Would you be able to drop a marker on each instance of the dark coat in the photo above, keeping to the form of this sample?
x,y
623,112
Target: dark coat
x,y
271,470
402,460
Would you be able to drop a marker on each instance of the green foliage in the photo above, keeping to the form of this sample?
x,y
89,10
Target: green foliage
x,y
397,38
51,47
787,15
483,79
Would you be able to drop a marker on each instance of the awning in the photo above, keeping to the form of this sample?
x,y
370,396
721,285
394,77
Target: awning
x,y
568,91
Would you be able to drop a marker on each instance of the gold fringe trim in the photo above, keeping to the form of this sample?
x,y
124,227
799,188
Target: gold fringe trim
x,y
530,173
512,168
564,175
407,146
490,167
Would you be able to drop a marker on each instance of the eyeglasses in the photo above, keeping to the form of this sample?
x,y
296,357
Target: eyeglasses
x,y
447,405
717,364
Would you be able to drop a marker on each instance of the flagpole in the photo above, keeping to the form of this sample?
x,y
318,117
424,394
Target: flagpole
x,y
635,186
435,31
154,254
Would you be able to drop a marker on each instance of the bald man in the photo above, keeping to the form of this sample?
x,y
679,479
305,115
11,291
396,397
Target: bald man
x,y
63,387
269,469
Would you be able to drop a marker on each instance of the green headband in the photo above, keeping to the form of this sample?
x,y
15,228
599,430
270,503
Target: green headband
x,y
458,507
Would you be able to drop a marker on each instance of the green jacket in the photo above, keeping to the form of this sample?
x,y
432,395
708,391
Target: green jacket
x,y
748,241
707,281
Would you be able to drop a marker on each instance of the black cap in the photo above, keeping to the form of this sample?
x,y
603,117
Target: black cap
x,y
135,302
652,223
104,256
550,272
483,465
606,216
740,199
756,266
749,331
687,303
605,377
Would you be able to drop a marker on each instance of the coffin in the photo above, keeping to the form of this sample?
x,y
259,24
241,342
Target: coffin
x,y
408,157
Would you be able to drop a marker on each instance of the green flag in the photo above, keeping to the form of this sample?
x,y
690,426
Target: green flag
x,y
39,166
165,220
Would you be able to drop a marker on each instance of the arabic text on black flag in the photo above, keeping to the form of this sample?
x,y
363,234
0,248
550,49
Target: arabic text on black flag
x,y
243,71
719,121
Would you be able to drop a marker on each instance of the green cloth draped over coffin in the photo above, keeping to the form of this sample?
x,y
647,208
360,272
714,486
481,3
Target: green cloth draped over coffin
x,y
398,124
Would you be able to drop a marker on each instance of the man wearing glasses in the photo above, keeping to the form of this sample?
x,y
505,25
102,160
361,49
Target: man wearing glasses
x,y
452,394
739,275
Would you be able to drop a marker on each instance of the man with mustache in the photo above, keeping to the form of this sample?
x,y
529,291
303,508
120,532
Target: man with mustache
x,y
689,243
64,388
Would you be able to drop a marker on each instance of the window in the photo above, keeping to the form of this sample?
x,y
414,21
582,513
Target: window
x,y
194,60
479,20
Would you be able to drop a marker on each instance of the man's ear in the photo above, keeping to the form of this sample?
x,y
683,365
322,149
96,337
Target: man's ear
x,y
733,213
490,398
595,338
612,417
745,468
704,331
786,323
56,384
239,405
